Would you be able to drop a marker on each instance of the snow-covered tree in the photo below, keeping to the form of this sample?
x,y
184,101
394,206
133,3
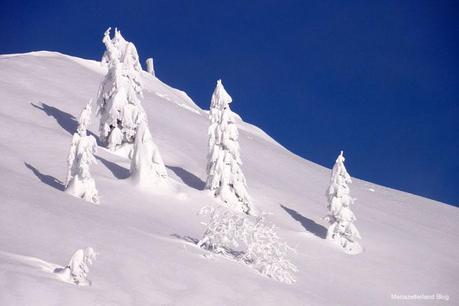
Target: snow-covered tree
x,y
253,241
224,174
147,166
120,93
150,67
340,216
77,270
79,182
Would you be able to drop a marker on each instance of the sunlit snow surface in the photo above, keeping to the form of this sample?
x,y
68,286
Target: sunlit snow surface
x,y
145,239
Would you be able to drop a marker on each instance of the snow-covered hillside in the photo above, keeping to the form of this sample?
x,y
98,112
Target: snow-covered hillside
x,y
146,241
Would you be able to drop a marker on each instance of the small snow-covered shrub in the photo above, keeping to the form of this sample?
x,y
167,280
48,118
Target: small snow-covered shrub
x,y
253,241
224,231
77,270
267,253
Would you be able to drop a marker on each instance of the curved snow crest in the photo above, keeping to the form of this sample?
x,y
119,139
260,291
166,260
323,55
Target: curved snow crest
x,y
87,63
41,53
159,88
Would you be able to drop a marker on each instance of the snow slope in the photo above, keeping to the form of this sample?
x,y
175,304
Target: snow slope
x,y
144,240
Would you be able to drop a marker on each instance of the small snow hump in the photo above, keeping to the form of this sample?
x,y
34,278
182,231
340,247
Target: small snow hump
x,y
76,272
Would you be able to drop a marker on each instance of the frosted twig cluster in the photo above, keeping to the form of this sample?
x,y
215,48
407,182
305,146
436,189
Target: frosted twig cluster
x,y
248,239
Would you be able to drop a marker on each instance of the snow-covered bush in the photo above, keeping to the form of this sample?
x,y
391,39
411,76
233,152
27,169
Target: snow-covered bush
x,y
267,253
251,240
224,231
79,182
224,174
120,93
147,166
77,270
340,216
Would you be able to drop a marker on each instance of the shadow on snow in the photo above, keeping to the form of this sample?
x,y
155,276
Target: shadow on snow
x,y
118,171
308,224
188,178
186,238
65,120
47,179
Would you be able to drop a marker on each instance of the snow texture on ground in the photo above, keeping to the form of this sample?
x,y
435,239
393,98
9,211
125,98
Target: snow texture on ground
x,y
146,241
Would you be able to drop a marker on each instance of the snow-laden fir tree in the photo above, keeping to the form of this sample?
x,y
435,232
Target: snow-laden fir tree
x,y
120,93
224,174
147,166
248,239
77,270
340,216
79,182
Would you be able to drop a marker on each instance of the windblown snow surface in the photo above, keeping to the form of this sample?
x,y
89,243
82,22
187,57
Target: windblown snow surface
x,y
145,241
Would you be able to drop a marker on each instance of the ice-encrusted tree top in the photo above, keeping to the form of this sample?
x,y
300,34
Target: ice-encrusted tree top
x,y
338,191
85,118
120,94
224,174
220,97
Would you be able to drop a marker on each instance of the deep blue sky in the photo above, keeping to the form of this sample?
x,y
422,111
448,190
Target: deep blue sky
x,y
379,80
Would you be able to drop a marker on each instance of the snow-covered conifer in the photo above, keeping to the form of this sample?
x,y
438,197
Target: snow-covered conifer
x,y
224,174
120,93
254,242
77,270
147,166
340,216
79,182
150,67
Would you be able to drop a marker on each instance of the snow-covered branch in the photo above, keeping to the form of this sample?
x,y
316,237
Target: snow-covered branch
x,y
248,239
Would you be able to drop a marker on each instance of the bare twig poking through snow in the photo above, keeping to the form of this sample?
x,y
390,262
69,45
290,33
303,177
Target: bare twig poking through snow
x,y
224,174
340,216
255,242
79,181
77,270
